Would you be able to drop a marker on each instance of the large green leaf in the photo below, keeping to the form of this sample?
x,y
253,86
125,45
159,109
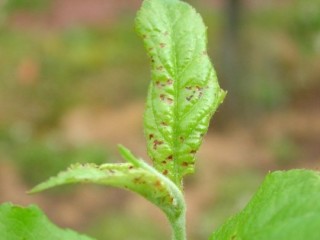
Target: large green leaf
x,y
136,176
286,207
19,223
184,92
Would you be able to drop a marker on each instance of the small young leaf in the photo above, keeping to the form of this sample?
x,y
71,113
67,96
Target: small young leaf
x,y
18,223
285,207
141,179
184,91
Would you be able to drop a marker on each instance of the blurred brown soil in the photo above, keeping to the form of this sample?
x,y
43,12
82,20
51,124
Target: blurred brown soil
x,y
240,147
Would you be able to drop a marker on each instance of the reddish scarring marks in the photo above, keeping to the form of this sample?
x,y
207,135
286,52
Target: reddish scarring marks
x,y
169,100
162,45
156,143
163,97
169,81
199,88
157,184
189,98
160,68
164,124
170,158
160,85
193,151
139,180
151,136
184,164
165,172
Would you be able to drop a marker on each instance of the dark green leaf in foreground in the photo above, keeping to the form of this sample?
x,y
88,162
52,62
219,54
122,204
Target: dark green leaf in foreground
x,y
184,91
136,176
286,207
19,223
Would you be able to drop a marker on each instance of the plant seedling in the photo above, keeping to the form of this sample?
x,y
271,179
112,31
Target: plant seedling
x,y
183,95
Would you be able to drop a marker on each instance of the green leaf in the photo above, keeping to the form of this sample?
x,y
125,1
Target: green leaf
x,y
19,223
286,207
184,91
136,176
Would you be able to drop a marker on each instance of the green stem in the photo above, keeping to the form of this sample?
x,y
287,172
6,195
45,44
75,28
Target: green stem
x,y
176,217
178,225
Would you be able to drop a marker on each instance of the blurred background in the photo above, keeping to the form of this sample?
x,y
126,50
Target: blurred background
x,y
73,80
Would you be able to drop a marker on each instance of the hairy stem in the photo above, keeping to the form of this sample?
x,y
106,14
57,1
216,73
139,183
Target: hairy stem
x,y
178,225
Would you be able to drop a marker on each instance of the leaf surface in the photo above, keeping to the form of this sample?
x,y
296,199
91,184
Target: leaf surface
x,y
184,91
286,207
19,223
135,176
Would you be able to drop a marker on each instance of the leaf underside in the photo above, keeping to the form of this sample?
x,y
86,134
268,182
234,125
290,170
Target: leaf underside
x,y
286,207
135,176
19,223
184,92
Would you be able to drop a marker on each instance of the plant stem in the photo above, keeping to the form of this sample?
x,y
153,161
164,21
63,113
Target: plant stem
x,y
178,225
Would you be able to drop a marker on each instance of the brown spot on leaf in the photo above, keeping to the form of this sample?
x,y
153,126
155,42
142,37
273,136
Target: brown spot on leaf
x,y
164,124
164,162
166,33
181,139
151,136
162,45
157,184
169,82
170,158
184,164
156,143
160,68
193,151
165,172
189,98
130,167
162,97
169,100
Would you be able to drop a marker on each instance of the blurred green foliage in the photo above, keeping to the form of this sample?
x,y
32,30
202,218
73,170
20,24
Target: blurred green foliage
x,y
40,158
233,193
117,225
13,5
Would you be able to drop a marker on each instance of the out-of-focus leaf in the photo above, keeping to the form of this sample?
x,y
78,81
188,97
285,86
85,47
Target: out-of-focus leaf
x,y
19,223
